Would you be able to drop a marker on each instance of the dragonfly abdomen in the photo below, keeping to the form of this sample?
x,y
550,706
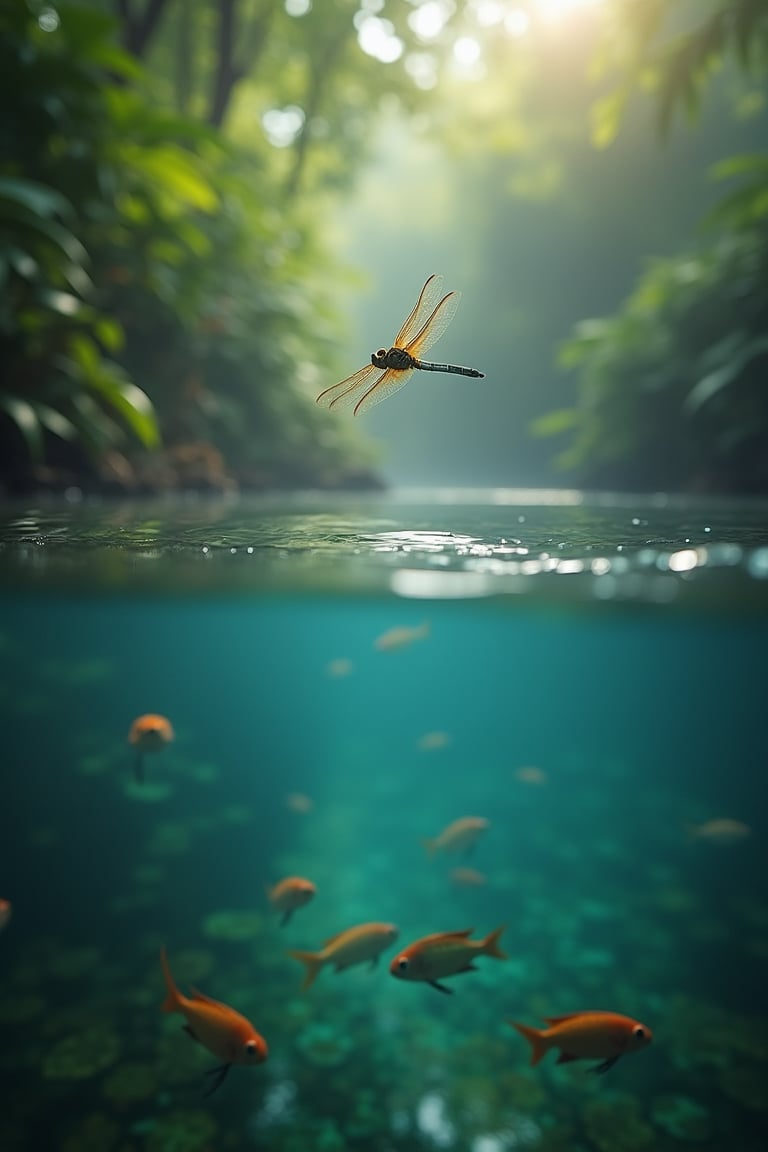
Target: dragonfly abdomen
x,y
456,368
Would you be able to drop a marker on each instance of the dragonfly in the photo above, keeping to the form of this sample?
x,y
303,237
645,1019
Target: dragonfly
x,y
391,368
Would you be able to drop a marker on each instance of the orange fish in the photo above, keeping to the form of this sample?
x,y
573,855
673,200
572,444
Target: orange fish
x,y
445,954
723,831
459,836
352,946
220,1029
531,775
604,1036
467,878
432,740
5,913
289,894
298,802
400,637
148,733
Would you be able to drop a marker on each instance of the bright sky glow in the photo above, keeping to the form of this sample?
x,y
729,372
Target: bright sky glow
x,y
297,7
466,51
48,20
556,9
517,22
429,19
422,68
282,125
489,12
377,38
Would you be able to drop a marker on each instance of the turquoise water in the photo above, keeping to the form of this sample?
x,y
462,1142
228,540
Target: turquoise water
x,y
617,647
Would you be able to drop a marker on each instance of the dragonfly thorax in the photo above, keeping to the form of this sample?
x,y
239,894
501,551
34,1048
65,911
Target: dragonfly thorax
x,y
396,358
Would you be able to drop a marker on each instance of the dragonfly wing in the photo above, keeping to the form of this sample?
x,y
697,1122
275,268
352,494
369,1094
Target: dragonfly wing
x,y
430,294
344,393
435,326
384,387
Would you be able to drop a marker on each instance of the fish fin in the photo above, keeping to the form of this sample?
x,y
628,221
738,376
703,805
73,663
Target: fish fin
x,y
218,1076
190,1032
467,968
440,987
490,946
566,1058
313,962
535,1038
173,999
138,766
336,936
606,1064
198,995
286,917
574,1016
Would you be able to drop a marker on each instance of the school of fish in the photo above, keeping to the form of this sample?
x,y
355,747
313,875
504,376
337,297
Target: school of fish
x,y
590,1034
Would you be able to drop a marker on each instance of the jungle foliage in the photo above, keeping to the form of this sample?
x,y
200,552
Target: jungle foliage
x,y
671,390
161,284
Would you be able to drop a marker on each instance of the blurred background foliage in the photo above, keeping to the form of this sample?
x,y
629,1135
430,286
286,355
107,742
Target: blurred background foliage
x,y
187,188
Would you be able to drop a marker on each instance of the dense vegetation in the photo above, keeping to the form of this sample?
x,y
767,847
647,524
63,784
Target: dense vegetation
x,y
672,389
170,283
161,285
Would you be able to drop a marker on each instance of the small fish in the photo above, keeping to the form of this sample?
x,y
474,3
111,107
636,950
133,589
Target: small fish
x,y
339,667
228,1035
468,878
298,802
531,775
289,894
148,733
400,637
6,908
352,946
723,831
432,740
604,1036
460,836
445,954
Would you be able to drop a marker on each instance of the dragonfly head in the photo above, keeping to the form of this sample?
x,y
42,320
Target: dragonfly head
x,y
378,359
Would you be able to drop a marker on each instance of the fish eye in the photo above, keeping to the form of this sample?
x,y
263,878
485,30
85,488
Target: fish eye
x,y
251,1048
402,963
638,1033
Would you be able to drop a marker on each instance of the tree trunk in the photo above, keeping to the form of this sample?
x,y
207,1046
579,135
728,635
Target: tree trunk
x,y
138,28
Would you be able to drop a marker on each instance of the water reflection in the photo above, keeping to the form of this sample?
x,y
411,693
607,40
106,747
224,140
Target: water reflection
x,y
448,544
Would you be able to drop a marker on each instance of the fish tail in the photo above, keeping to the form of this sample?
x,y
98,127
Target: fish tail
x,y
173,999
535,1037
430,847
491,947
313,961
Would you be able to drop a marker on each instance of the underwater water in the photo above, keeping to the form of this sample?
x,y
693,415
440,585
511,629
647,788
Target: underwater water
x,y
589,676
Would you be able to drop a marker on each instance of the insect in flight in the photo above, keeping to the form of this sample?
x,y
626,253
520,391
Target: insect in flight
x,y
390,369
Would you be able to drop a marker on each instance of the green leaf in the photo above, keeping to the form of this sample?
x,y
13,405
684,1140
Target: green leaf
x,y
25,418
553,423
38,198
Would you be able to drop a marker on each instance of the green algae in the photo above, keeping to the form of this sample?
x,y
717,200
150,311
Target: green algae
x,y
681,1117
615,1124
82,1056
129,1083
324,1046
191,1130
96,1133
233,924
